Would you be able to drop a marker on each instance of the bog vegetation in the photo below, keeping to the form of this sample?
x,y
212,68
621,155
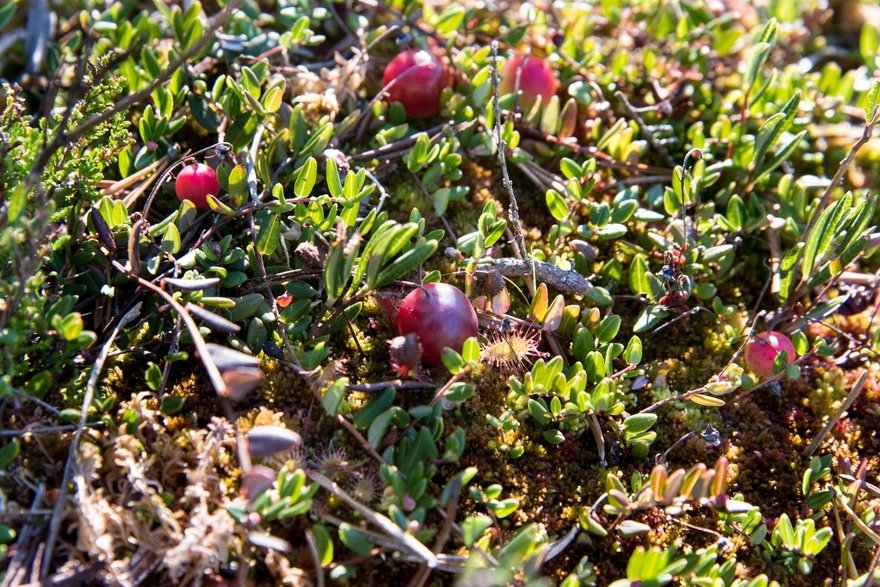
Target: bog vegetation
x,y
637,242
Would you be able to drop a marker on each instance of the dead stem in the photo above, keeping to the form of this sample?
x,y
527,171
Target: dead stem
x,y
501,145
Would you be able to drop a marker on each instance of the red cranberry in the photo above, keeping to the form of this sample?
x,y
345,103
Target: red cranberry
x,y
195,182
762,349
421,77
441,316
535,79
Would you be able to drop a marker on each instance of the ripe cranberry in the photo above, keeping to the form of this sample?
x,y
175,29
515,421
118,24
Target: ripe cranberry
x,y
195,182
441,316
535,79
762,349
421,78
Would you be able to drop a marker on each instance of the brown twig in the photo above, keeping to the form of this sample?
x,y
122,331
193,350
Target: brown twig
x,y
396,384
565,281
513,212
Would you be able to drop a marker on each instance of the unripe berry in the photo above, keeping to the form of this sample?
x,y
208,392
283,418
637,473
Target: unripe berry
x,y
762,349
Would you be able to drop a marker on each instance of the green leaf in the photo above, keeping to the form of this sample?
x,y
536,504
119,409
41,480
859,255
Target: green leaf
x,y
305,179
736,212
354,539
800,342
17,201
333,396
570,169
171,239
817,542
470,351
786,269
379,427
171,404
757,56
269,235
459,392
153,376
323,544
782,155
6,13
539,413
639,423
557,205
453,362
473,527
599,295
238,188
624,210
595,366
783,533
773,128
505,507
553,436
611,231
8,453
219,207
450,20
407,263
649,317
633,353
608,328
334,182
7,534
638,275
822,233
872,98
869,46
379,404
549,123
273,98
